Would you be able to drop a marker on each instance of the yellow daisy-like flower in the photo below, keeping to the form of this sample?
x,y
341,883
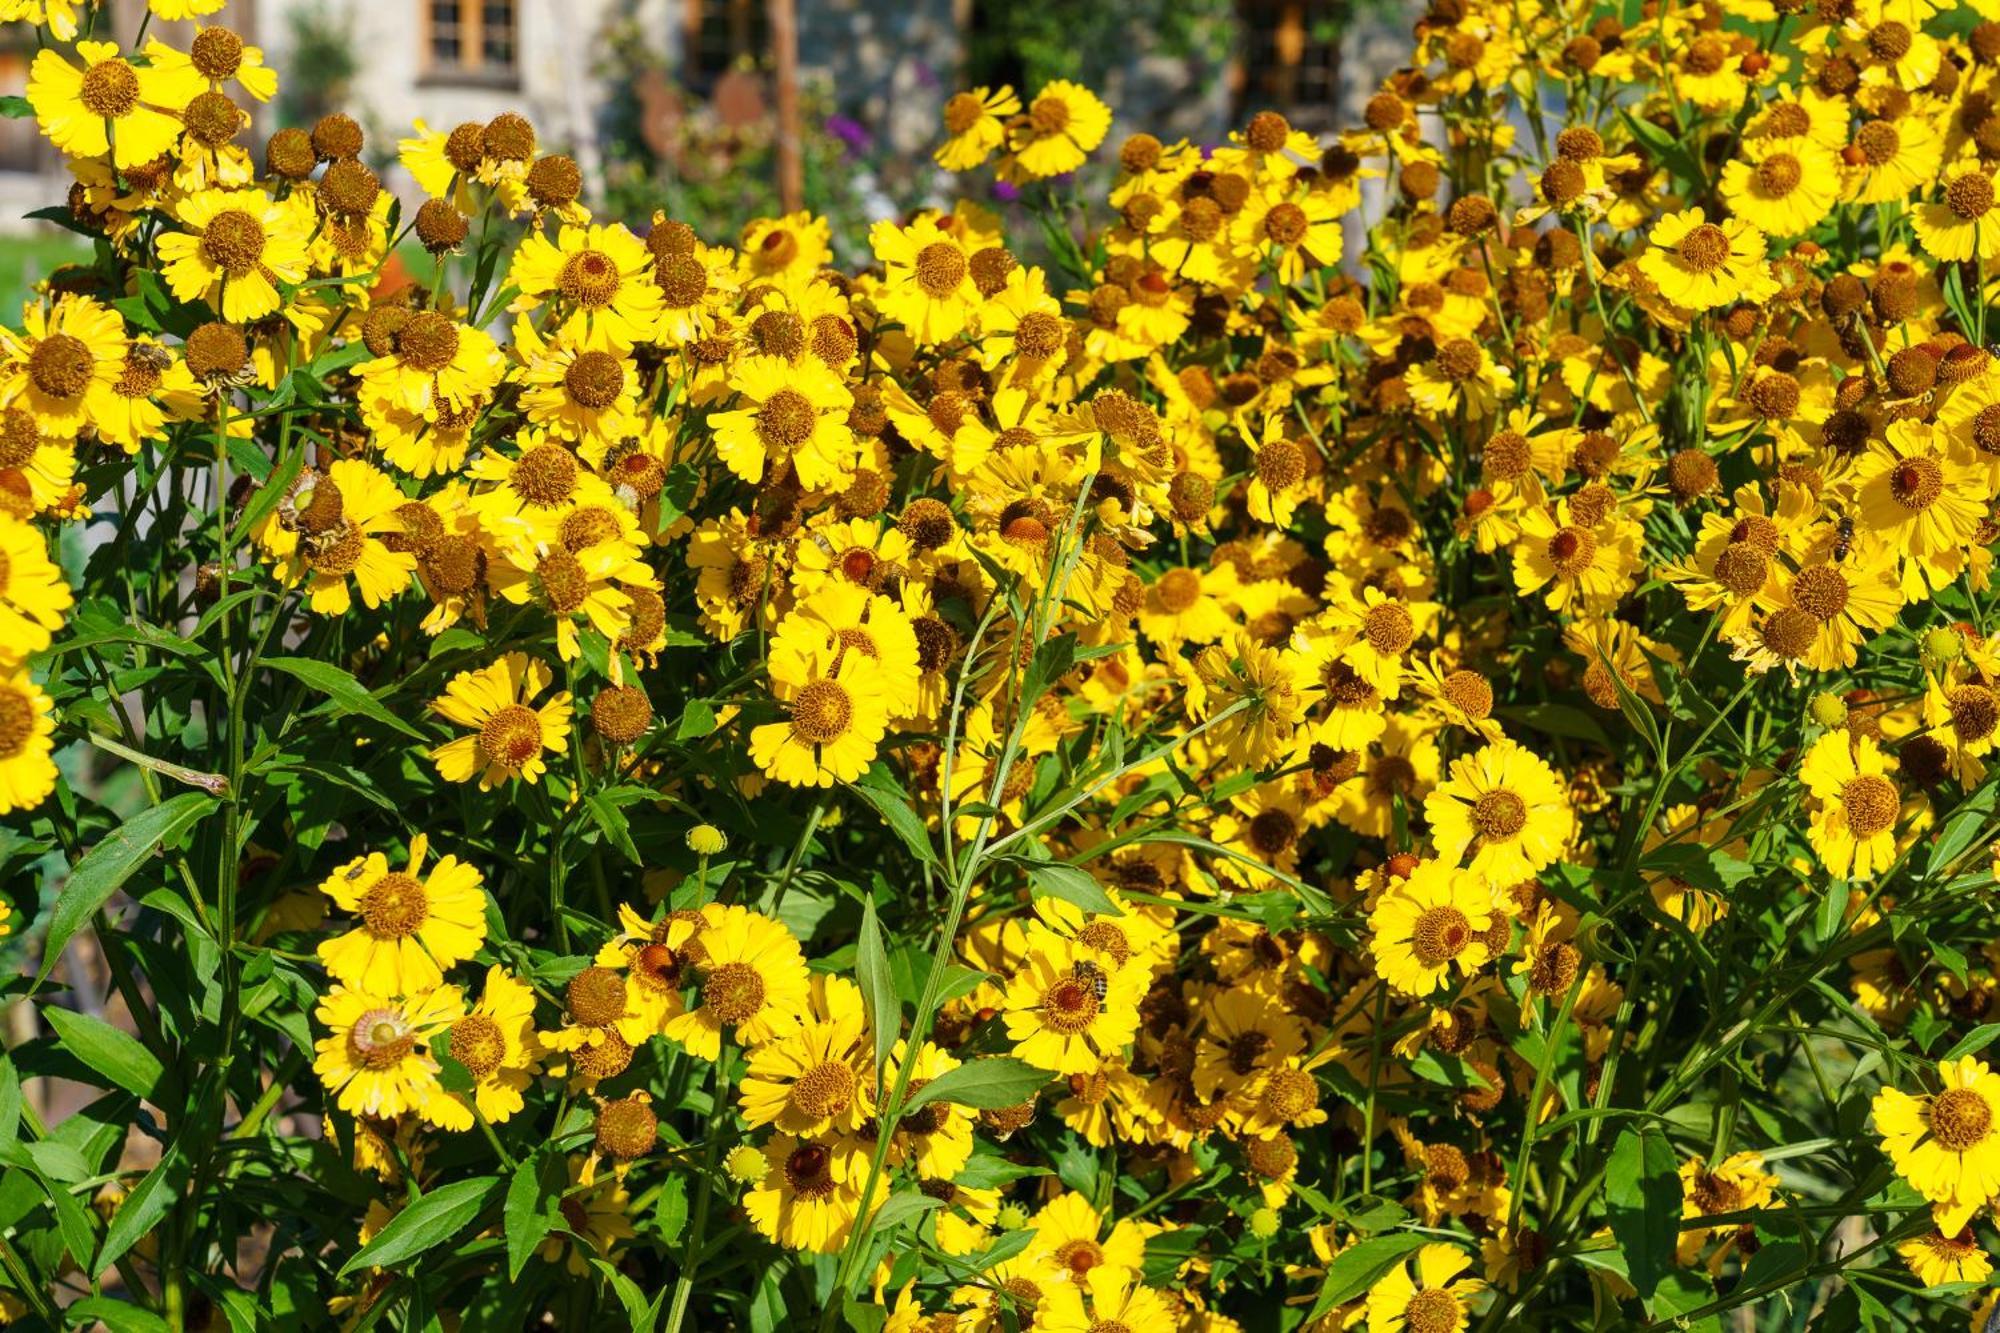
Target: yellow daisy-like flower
x,y
752,980
1923,500
371,1057
511,733
1946,1144
976,124
1070,1239
1700,265
1062,127
601,277
838,715
27,718
787,417
928,285
337,534
1853,832
109,105
813,1080
237,247
1428,1296
153,387
1574,564
1737,1184
33,595
1963,224
59,16
1505,809
810,1195
581,386
1937,1258
1070,1007
413,924
65,364
1782,186
435,366
496,1043
784,251
1433,919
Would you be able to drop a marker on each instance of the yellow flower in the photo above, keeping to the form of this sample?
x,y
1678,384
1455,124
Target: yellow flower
x,y
1782,186
1063,126
1938,1259
1506,809
412,926
597,1220
809,1197
27,773
65,364
601,278
1962,225
813,1080
511,734
752,980
786,251
33,595
1738,1184
59,16
1582,565
497,1045
1070,1007
1430,1299
1945,1144
1699,265
371,1058
1853,832
927,284
341,520
975,122
789,418
1070,1240
237,247
1433,919
109,105
838,715
1923,500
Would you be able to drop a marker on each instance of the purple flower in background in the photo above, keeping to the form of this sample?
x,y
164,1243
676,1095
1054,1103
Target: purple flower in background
x,y
850,132
1006,192
926,76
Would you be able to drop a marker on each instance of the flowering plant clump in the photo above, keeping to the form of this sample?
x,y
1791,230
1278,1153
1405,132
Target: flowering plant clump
x,y
1170,780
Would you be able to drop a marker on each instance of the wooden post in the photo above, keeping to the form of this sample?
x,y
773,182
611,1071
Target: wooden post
x,y
785,57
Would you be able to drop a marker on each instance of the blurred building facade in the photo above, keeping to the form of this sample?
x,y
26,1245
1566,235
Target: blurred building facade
x,y
885,66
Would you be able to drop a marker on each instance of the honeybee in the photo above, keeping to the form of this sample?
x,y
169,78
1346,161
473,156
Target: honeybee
x,y
150,355
1843,538
1087,971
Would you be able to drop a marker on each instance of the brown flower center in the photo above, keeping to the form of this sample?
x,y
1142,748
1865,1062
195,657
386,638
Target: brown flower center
x,y
1705,249
822,712
1871,804
17,709
1960,1119
1821,592
61,366
1571,550
477,1044
590,279
1070,1005
1440,935
1779,174
512,736
1916,483
233,241
380,1039
940,269
395,906
428,342
1970,196
110,89
825,1090
786,420
733,992
594,380
1432,1311
545,475
1499,815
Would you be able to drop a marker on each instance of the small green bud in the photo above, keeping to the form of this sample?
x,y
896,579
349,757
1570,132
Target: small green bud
x,y
1829,710
1941,647
707,840
1011,1217
1264,1223
744,1164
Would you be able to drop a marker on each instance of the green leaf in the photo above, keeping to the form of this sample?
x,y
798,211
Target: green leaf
x,y
142,1210
864,1317
1973,1042
106,867
907,1206
1356,1268
116,1055
429,1222
347,695
880,789
1072,884
1642,1193
878,985
115,1315
532,1194
611,820
15,107
987,1084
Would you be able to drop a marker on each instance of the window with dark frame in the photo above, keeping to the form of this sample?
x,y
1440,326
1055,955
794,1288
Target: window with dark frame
x,y
722,35
1291,60
471,39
